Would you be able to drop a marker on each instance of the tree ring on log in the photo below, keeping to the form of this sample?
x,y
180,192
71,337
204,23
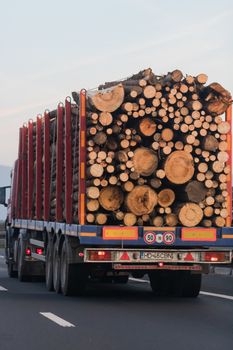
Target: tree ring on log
x,y
145,161
110,100
111,198
179,167
190,215
141,200
166,197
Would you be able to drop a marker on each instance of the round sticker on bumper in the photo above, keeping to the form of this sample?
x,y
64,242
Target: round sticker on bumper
x,y
149,237
169,237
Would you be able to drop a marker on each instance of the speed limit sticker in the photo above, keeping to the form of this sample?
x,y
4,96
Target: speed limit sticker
x,y
149,237
169,237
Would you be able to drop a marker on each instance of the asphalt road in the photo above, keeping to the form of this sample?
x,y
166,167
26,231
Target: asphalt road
x,y
114,317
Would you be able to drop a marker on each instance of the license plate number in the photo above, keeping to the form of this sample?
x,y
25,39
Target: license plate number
x,y
157,256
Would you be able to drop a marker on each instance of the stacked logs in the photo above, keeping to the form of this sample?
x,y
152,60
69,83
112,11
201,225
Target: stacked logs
x,y
157,151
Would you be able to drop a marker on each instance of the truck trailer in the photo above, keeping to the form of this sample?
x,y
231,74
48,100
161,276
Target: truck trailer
x,y
78,213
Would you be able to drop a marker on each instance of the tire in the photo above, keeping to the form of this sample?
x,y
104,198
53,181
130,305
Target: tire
x,y
191,285
56,268
49,267
10,270
161,283
120,279
22,275
74,277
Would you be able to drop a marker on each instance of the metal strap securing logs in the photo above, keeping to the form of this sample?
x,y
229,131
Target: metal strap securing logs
x,y
39,167
47,168
59,162
68,162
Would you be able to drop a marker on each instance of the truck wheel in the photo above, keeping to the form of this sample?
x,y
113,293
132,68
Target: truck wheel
x,y
191,284
56,268
10,269
22,275
74,277
160,282
49,267
120,279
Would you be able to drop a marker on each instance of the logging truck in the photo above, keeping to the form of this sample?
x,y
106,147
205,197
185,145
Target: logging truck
x,y
131,179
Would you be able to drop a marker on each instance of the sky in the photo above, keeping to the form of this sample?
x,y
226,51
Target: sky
x,y
49,48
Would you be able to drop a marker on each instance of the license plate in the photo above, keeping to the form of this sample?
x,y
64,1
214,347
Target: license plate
x,y
158,256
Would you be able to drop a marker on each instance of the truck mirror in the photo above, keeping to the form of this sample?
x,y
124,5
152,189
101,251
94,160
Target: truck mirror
x,y
3,195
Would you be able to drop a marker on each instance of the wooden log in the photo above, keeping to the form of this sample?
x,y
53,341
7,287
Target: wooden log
x,y
224,127
195,191
100,138
147,127
190,214
130,219
171,220
93,205
128,186
167,134
210,143
219,221
149,91
95,170
110,100
111,198
90,218
218,99
155,183
158,221
93,192
166,197
179,167
141,200
105,118
145,161
201,78
101,219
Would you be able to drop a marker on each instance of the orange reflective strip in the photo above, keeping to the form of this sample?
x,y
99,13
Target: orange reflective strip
x,y
82,170
82,138
82,209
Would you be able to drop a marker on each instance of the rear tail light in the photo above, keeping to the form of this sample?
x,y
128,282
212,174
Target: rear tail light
x,y
28,251
39,251
100,255
215,256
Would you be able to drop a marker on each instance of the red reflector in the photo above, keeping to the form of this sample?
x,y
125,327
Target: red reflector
x,y
214,256
124,256
160,264
28,251
39,251
100,255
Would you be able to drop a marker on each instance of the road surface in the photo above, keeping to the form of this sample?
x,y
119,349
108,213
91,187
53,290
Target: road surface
x,y
114,317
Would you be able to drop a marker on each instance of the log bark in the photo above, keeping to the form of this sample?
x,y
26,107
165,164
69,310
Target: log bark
x,y
195,191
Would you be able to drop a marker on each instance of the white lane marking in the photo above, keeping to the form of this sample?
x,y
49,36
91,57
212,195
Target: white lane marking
x,y
2,256
138,280
56,319
223,296
2,289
